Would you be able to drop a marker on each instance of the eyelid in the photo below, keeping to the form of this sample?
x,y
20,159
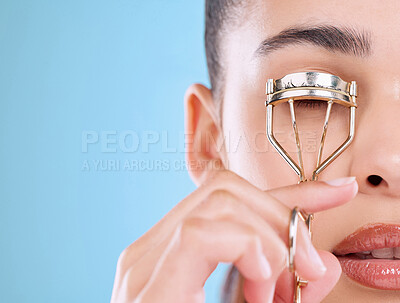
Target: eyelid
x,y
319,70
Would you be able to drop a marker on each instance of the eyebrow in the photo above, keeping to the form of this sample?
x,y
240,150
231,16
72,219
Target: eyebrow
x,y
346,40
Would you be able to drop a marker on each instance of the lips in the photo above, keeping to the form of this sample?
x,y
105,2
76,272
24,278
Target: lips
x,y
371,256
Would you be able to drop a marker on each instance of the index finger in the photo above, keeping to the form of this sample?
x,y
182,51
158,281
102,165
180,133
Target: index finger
x,y
317,195
273,205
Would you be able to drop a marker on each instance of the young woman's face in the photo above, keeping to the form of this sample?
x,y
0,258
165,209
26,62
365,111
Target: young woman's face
x,y
376,147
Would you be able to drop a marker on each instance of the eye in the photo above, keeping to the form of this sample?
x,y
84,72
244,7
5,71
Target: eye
x,y
310,104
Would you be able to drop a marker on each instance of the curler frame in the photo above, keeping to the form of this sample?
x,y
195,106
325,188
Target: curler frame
x,y
311,86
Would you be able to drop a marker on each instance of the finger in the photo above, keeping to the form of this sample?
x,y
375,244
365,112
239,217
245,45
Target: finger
x,y
259,291
315,291
223,204
317,195
195,251
309,266
271,209
132,277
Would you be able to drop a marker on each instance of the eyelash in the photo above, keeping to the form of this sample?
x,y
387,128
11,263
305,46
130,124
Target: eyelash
x,y
309,103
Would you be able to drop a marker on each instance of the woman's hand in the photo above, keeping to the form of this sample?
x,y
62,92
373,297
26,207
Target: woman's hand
x,y
229,220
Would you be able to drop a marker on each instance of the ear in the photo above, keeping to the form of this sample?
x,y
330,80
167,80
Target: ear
x,y
204,148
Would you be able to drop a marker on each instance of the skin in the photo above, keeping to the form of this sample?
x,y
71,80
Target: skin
x,y
240,212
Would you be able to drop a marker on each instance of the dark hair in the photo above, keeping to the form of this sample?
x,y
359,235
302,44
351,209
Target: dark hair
x,y
219,13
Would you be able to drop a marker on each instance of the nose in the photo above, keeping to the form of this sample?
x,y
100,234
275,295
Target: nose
x,y
376,147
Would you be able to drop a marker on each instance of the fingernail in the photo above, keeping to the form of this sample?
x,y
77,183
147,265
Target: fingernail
x,y
341,181
316,259
265,267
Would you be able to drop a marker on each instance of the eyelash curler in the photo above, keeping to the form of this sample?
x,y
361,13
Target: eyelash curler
x,y
310,86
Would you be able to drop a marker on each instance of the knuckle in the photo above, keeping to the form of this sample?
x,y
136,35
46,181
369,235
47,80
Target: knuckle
x,y
221,204
253,239
218,194
123,258
191,232
122,265
128,257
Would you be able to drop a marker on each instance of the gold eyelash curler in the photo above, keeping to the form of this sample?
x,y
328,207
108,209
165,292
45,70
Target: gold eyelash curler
x,y
310,86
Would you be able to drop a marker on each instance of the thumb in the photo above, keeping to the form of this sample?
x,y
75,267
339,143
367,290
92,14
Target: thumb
x,y
315,291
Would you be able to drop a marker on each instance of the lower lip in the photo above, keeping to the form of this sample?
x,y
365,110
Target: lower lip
x,y
375,273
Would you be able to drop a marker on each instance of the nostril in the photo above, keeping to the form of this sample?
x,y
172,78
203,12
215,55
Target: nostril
x,y
375,180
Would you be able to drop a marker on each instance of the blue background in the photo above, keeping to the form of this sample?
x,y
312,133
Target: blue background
x,y
68,68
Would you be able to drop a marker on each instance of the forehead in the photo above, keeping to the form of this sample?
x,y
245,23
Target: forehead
x,y
373,15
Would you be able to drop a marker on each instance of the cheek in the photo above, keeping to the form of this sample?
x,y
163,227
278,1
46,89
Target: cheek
x,y
251,155
325,232
249,152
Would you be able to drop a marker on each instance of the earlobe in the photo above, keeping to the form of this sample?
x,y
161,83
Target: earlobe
x,y
203,133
